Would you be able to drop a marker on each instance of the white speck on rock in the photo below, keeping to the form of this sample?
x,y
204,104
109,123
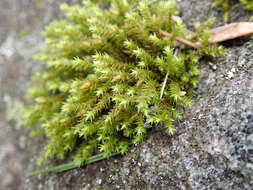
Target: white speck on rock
x,y
7,48
99,181
242,62
230,75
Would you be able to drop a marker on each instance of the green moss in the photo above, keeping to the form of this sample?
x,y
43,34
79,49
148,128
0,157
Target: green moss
x,y
224,5
247,4
105,70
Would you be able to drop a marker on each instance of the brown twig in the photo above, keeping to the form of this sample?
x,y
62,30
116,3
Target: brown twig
x,y
181,40
219,34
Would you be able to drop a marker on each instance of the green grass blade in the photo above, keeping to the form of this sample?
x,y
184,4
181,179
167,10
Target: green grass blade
x,y
68,166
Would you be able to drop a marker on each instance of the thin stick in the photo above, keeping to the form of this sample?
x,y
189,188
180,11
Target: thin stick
x,y
167,75
181,40
164,85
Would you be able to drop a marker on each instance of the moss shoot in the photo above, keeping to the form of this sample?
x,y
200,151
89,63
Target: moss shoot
x,y
224,5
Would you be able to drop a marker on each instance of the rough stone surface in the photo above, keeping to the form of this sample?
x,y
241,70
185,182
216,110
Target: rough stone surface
x,y
213,145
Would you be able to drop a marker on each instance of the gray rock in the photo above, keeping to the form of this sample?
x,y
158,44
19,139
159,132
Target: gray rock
x,y
211,149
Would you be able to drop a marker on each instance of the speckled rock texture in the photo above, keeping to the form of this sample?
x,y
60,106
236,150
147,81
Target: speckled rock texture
x,y
213,145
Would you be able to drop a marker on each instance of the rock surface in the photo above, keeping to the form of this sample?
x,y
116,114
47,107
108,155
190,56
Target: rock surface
x,y
213,145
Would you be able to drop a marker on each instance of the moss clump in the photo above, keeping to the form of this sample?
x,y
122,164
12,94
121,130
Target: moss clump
x,y
224,5
247,4
105,70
